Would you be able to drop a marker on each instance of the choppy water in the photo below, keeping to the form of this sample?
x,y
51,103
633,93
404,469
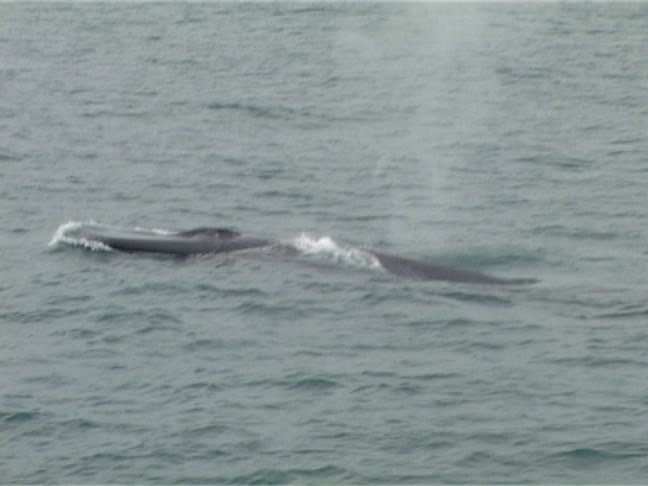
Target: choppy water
x,y
510,139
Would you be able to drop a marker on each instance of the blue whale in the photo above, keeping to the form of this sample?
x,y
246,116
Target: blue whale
x,y
205,240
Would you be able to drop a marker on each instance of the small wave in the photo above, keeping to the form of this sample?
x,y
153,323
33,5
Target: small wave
x,y
325,473
327,247
313,383
10,156
11,417
273,113
610,451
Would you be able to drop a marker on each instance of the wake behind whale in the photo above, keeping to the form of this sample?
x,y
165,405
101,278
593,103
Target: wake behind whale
x,y
209,240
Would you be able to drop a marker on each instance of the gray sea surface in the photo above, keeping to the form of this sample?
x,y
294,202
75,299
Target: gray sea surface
x,y
510,139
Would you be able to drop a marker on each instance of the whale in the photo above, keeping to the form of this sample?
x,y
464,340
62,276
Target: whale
x,y
202,240
208,240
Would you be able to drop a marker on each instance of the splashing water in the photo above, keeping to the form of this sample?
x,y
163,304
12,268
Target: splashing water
x,y
327,246
66,234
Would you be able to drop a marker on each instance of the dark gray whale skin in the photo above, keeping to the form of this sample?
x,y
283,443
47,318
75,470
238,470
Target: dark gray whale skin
x,y
418,269
196,241
218,240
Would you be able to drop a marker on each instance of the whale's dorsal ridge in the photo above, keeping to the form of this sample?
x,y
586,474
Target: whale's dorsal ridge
x,y
222,233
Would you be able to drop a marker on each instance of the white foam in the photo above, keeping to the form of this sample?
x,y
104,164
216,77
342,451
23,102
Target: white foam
x,y
64,234
327,246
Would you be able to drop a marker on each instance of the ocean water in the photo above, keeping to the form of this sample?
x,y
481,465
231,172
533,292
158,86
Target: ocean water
x,y
510,139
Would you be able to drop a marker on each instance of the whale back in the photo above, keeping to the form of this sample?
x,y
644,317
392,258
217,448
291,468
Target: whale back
x,y
222,233
418,269
195,241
